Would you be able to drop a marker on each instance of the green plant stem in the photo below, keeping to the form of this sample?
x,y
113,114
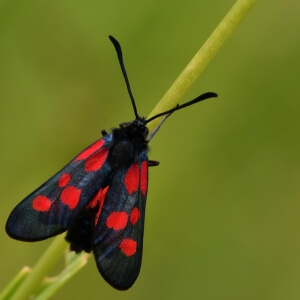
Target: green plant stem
x,y
41,269
199,62
169,100
13,286
71,269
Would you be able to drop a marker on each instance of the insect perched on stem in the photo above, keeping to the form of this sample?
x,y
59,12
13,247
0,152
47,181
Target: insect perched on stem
x,y
99,198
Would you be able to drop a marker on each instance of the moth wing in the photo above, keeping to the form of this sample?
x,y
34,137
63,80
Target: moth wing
x,y
118,236
52,207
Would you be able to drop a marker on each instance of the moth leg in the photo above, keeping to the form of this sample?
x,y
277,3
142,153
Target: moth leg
x,y
104,132
157,127
153,163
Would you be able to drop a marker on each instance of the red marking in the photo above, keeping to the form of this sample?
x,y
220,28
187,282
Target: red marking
x,y
96,161
90,150
64,180
134,216
41,203
144,177
131,179
117,220
128,246
70,196
98,200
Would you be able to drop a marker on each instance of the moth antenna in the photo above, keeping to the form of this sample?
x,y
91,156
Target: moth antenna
x,y
121,61
177,107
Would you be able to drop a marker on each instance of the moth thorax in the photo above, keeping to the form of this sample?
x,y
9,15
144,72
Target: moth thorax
x,y
136,130
123,153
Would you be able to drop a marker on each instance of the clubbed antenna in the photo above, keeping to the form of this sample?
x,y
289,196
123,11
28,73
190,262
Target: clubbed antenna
x,y
120,57
177,107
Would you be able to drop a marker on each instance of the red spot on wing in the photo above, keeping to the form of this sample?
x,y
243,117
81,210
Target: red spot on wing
x,y
134,216
117,220
64,180
131,179
128,246
70,196
98,200
96,161
144,177
41,203
90,150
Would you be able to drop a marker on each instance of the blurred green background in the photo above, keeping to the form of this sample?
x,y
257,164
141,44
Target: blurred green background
x,y
222,217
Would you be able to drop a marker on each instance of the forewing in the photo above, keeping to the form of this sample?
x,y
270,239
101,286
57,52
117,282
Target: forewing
x,y
118,236
52,207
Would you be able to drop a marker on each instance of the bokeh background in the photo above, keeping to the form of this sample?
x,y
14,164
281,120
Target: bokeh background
x,y
222,217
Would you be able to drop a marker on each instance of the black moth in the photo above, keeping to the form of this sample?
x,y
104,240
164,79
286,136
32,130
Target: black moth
x,y
99,198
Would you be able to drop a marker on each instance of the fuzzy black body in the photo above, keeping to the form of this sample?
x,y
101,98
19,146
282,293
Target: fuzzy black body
x,y
127,144
129,141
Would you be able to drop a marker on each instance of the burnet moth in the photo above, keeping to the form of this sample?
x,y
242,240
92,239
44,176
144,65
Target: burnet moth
x,y
99,198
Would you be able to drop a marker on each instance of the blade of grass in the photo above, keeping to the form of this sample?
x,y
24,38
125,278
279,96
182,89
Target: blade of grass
x,y
201,59
64,276
42,268
14,284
